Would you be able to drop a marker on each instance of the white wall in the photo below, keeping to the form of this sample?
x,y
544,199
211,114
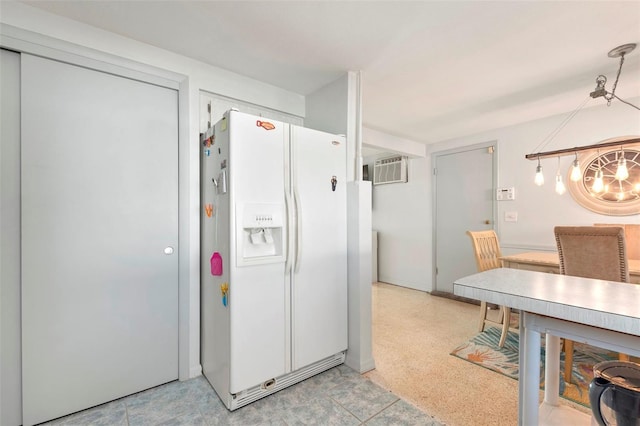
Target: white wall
x,y
402,217
381,141
21,22
326,108
335,108
402,213
330,109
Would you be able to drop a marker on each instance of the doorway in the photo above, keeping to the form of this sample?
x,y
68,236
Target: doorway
x,y
464,188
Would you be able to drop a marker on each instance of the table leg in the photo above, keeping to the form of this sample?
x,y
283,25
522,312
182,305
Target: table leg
x,y
529,374
552,370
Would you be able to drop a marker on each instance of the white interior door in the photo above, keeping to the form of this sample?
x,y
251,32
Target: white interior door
x,y
464,201
99,237
319,290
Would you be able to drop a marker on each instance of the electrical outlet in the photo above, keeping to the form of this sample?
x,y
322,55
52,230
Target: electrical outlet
x,y
510,216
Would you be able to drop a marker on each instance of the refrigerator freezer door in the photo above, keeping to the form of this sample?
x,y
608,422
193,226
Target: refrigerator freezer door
x,y
256,290
319,285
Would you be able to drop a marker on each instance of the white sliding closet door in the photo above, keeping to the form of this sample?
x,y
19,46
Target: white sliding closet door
x,y
99,170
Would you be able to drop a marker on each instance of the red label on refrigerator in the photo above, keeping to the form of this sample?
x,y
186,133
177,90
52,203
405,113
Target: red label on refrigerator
x,y
265,125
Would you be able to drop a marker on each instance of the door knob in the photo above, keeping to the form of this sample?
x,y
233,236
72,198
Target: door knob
x,y
487,222
168,250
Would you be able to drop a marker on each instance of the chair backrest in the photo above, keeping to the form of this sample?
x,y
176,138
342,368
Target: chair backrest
x,y
631,236
486,248
592,252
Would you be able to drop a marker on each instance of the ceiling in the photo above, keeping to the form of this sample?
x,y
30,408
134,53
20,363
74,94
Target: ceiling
x,y
431,70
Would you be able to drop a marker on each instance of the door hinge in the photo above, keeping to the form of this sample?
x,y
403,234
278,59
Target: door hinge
x,y
435,171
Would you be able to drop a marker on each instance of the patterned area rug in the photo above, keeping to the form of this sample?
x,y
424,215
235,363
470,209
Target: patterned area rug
x,y
483,350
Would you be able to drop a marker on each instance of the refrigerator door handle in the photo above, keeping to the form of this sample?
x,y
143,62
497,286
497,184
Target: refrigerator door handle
x,y
298,230
289,209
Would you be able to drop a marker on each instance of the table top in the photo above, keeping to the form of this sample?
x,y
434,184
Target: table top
x,y
552,259
610,305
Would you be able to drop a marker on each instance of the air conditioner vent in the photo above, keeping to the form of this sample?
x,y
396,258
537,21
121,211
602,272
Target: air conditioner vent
x,y
390,170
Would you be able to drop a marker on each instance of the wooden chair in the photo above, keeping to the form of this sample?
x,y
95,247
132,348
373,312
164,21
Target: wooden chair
x,y
631,237
591,252
486,249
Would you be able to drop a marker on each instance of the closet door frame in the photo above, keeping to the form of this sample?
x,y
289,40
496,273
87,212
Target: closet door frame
x,y
10,242
24,41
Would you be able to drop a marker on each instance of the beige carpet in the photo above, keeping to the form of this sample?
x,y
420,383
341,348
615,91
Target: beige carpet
x,y
413,334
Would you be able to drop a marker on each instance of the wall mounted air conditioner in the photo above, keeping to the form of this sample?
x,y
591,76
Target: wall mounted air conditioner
x,y
390,170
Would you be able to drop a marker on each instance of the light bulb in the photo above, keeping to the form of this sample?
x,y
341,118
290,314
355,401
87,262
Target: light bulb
x,y
576,173
622,172
560,188
598,183
620,196
539,180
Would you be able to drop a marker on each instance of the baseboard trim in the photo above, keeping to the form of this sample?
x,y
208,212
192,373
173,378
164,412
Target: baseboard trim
x,y
452,296
359,365
195,371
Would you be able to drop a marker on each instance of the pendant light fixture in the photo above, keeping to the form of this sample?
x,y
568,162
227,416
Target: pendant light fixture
x,y
539,180
622,172
576,173
598,182
560,188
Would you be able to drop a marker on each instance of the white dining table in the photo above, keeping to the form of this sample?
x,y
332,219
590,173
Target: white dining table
x,y
600,313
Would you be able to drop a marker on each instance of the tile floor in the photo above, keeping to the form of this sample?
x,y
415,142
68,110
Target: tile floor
x,y
339,396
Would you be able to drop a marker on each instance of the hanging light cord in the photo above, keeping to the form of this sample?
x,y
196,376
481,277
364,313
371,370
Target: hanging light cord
x,y
564,122
609,96
625,102
599,91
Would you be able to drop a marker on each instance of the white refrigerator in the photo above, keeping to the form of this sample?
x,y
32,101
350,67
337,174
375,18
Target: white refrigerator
x,y
274,256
